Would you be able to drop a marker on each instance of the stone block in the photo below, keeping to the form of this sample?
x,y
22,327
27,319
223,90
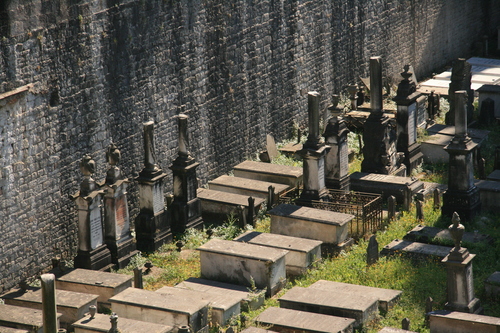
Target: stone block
x,y
247,187
246,264
223,203
281,174
433,235
492,285
249,300
334,303
415,249
301,254
21,318
4,329
223,306
433,147
460,322
489,192
293,321
386,297
101,323
161,308
103,284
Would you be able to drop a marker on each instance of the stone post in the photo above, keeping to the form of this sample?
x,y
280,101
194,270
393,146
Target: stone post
x,y
49,307
372,253
391,208
353,96
151,225
337,159
138,281
313,116
376,84
460,80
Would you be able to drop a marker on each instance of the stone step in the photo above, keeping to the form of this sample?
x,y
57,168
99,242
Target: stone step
x,y
223,306
245,264
247,187
22,318
250,300
386,297
460,322
161,308
274,173
103,284
72,305
101,324
335,303
293,321
415,249
224,203
302,252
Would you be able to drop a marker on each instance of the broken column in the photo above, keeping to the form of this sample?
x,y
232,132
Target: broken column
x,y
406,99
313,156
152,227
461,76
379,136
185,210
462,195
92,252
337,159
117,233
49,307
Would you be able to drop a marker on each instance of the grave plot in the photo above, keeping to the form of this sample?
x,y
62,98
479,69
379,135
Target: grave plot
x,y
27,319
101,323
415,250
281,174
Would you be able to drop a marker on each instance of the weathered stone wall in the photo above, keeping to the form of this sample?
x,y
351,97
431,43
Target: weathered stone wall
x,y
240,69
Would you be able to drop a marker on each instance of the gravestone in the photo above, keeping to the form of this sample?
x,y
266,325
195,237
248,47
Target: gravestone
x,y
460,81
92,252
419,205
337,159
372,251
185,210
353,96
391,207
272,151
487,112
462,195
117,233
152,227
313,156
433,105
49,307
490,92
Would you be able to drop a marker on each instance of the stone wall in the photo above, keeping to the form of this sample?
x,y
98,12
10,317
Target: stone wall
x,y
240,69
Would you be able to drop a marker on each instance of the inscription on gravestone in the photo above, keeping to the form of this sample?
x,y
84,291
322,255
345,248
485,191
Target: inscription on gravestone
x,y
421,111
96,238
470,282
412,133
122,221
344,159
158,201
321,173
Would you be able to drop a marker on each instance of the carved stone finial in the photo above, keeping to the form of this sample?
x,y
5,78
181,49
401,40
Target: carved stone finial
x,y
457,231
113,157
87,167
114,324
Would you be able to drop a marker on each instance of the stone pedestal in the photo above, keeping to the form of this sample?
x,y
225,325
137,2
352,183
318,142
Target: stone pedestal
x,y
337,159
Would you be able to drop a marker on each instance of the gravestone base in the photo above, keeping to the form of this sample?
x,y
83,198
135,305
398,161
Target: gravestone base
x,y
97,259
466,203
122,251
186,215
474,306
149,236
343,184
308,196
333,249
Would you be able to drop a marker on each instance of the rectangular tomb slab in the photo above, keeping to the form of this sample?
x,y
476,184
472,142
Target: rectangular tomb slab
x,y
415,249
335,303
4,329
293,321
161,308
489,191
101,323
460,322
433,235
244,264
274,173
253,329
72,305
223,306
103,284
218,202
386,297
311,223
302,252
247,187
250,300
433,147
21,318
394,330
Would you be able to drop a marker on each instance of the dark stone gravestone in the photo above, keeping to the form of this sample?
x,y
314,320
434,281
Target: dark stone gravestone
x,y
487,112
337,159
460,80
372,251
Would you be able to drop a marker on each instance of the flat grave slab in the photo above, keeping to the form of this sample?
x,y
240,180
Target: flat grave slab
x,y
311,223
72,305
161,308
494,176
293,321
301,254
386,297
103,284
224,203
438,236
450,131
21,318
4,329
244,264
223,306
415,249
428,191
492,285
250,300
334,303
101,323
247,187
433,147
274,173
291,148
253,329
394,330
489,192
460,322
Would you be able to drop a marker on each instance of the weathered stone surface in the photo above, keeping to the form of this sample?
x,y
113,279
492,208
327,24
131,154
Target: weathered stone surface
x,y
394,330
433,235
281,174
22,318
489,192
459,322
246,187
253,329
492,285
433,147
286,320
101,323
4,329
415,249
224,203
494,175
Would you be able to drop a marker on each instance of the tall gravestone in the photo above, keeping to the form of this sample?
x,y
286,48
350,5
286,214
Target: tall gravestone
x,y
337,159
313,156
461,76
152,227
92,252
186,208
462,195
406,100
379,136
117,233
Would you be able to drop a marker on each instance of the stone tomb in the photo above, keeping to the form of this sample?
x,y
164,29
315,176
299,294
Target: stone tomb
x,y
433,235
245,264
273,173
386,297
161,308
489,192
253,329
249,300
443,321
293,321
493,92
100,323
223,306
492,285
415,250
223,203
21,318
301,252
335,303
4,329
72,305
247,187
103,284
